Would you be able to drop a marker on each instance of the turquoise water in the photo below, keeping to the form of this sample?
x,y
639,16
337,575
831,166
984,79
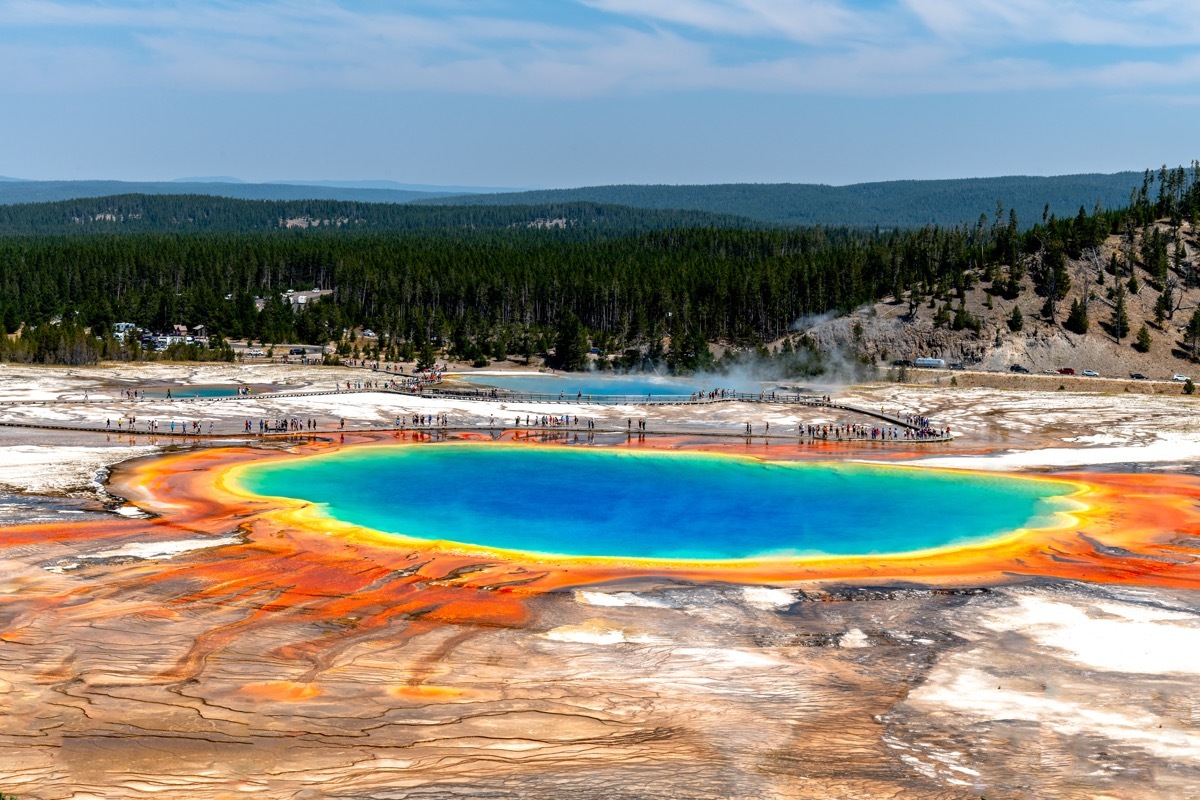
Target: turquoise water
x,y
201,391
572,384
596,502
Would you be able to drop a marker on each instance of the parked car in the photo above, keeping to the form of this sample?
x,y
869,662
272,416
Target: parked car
x,y
255,353
1018,368
1066,371
1091,373
1180,378
1137,376
296,351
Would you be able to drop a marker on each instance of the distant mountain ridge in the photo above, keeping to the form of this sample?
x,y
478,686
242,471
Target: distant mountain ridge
x,y
211,179
179,213
19,191
404,187
901,204
891,204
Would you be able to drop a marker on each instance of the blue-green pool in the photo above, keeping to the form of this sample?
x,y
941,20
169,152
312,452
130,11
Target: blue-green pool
x,y
572,384
599,502
201,391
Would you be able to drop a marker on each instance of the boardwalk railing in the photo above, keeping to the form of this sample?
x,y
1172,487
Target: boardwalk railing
x,y
501,396
580,398
661,399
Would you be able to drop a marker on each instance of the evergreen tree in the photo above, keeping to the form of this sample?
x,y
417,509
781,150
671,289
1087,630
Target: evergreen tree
x,y
1051,279
1191,334
1142,344
1154,255
689,352
1162,306
1120,318
570,343
1049,308
1077,320
1016,322
963,319
426,357
1012,287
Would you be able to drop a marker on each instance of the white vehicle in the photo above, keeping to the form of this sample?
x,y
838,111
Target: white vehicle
x,y
1091,373
1180,378
255,353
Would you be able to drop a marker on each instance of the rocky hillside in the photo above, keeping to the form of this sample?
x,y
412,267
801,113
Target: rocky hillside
x,y
984,338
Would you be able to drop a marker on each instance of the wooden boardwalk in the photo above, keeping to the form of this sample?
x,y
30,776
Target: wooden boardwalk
x,y
195,404
770,398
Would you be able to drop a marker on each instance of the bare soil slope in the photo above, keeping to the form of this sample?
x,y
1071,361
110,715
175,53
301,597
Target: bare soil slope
x,y
887,333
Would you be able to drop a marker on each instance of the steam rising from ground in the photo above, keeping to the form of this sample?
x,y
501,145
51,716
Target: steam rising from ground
x,y
807,322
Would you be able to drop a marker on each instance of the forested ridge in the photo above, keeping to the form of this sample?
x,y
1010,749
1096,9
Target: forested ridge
x,y
19,191
488,292
141,213
891,204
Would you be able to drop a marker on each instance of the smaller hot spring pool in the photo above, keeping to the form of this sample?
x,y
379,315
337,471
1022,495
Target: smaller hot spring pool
x,y
198,391
573,384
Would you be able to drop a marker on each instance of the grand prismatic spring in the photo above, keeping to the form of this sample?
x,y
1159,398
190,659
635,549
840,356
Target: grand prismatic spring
x,y
596,502
478,611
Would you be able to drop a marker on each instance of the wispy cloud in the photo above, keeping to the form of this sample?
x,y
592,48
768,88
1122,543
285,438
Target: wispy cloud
x,y
1119,23
806,21
568,48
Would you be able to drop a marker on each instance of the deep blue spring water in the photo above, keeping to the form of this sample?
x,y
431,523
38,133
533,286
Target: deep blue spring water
x,y
599,502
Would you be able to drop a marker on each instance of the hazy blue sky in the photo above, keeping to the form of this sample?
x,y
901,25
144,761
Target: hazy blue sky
x,y
573,92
